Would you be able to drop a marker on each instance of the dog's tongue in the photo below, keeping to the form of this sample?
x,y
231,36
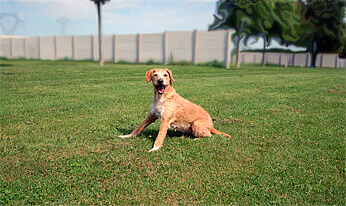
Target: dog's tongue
x,y
160,89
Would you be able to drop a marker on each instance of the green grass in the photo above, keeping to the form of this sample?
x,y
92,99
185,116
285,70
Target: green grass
x,y
60,122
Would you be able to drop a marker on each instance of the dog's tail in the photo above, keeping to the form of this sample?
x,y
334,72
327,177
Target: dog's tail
x,y
214,131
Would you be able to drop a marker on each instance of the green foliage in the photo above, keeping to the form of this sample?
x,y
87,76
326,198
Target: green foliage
x,y
286,24
274,18
318,24
257,17
215,63
322,26
233,14
60,123
180,63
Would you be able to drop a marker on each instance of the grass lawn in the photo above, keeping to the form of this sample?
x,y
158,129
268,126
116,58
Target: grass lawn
x,y
60,123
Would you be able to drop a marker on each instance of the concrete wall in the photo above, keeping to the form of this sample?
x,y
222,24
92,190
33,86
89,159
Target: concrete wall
x,y
211,46
127,48
47,48
152,47
33,48
18,48
5,47
108,48
83,47
292,59
64,47
170,46
180,45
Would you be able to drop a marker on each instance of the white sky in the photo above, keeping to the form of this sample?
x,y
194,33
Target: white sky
x,y
40,17
119,16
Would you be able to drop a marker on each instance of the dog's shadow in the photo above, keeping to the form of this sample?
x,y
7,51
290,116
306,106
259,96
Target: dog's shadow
x,y
151,134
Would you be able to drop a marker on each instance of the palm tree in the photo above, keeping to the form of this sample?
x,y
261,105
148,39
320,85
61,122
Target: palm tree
x,y
257,17
322,26
275,18
232,14
99,14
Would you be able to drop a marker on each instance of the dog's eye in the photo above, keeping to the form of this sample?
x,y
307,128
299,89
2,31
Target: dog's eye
x,y
155,75
165,75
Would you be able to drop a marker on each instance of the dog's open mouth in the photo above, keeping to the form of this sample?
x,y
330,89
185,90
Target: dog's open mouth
x,y
160,88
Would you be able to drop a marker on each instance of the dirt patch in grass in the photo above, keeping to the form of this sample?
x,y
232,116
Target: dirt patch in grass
x,y
334,91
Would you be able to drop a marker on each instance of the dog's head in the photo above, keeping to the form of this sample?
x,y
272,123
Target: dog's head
x,y
161,79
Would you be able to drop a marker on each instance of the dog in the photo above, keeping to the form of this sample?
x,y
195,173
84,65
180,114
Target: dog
x,y
174,111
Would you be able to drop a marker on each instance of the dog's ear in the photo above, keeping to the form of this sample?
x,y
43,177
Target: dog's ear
x,y
170,74
148,75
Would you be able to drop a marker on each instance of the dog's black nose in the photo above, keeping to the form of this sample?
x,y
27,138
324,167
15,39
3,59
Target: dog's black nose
x,y
160,81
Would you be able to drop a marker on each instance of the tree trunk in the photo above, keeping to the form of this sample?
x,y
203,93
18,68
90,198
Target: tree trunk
x,y
237,52
313,59
264,51
99,12
313,54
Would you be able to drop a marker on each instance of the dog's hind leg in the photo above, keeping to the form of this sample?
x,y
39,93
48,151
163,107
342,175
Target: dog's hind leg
x,y
201,128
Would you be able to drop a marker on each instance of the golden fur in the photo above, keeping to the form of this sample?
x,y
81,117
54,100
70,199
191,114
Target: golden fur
x,y
174,111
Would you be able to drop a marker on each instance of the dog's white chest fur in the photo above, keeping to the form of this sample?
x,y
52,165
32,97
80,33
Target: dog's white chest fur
x,y
157,109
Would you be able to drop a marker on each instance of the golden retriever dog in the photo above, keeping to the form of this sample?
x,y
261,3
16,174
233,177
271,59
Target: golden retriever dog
x,y
174,111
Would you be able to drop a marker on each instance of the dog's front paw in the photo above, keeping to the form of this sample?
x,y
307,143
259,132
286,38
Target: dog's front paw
x,y
154,149
125,136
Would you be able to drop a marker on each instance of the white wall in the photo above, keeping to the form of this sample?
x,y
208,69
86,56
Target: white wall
x,y
190,46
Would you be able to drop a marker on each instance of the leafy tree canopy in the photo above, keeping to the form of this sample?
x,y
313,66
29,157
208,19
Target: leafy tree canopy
x,y
322,26
258,17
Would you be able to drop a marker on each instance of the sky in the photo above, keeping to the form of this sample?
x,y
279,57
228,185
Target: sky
x,y
79,17
45,17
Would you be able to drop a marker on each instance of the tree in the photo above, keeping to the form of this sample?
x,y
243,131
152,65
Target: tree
x,y
275,18
322,26
258,17
263,22
343,49
99,4
232,14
